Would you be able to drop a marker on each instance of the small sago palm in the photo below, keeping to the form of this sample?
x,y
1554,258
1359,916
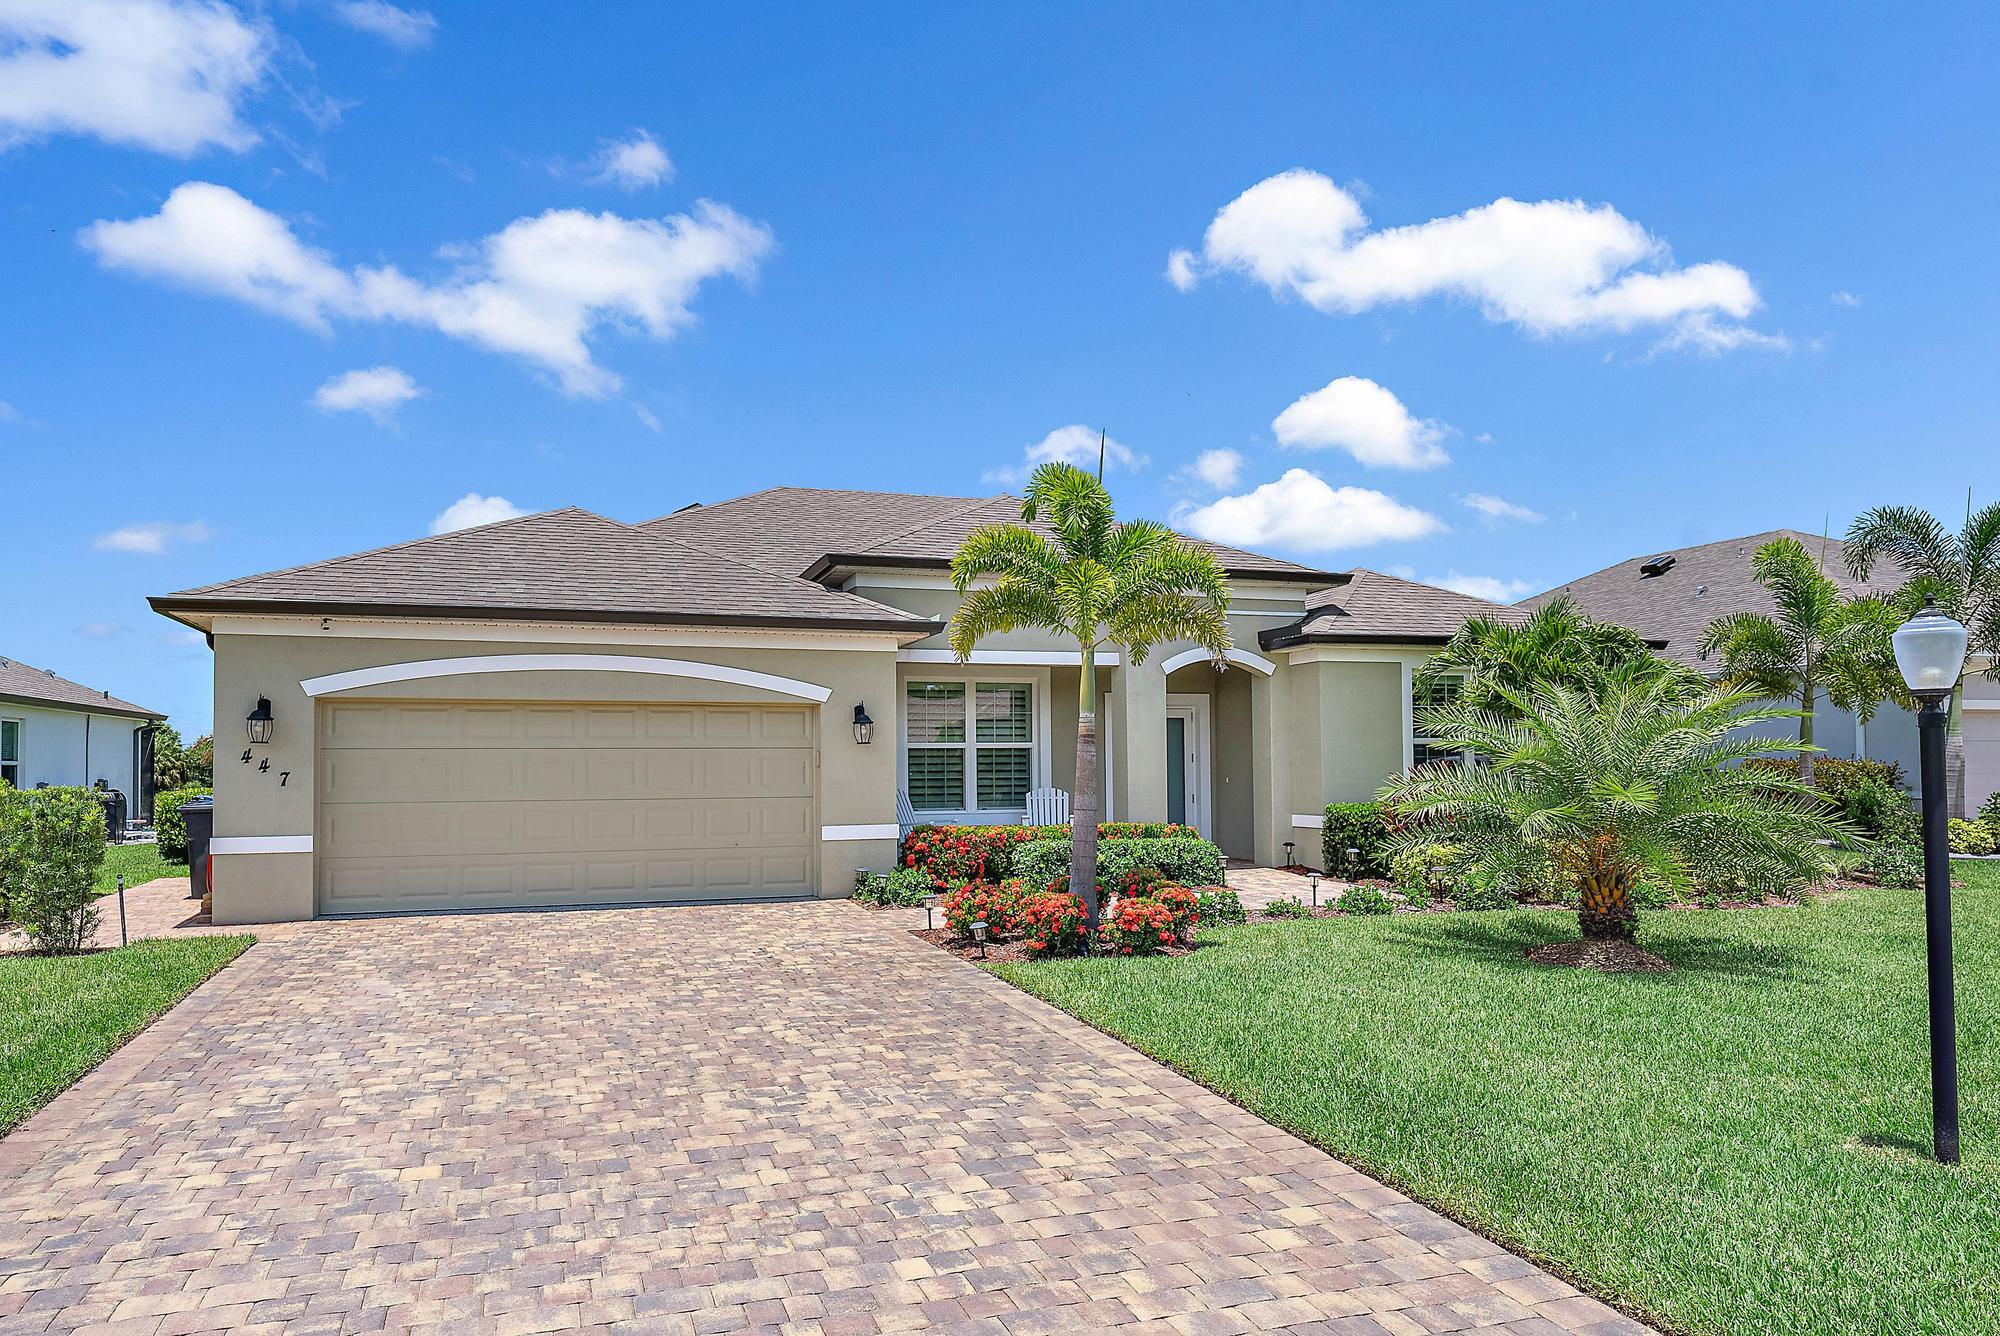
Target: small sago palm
x,y
1135,585
1819,642
1961,571
1638,779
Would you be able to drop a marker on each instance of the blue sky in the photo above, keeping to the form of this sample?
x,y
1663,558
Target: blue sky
x,y
632,256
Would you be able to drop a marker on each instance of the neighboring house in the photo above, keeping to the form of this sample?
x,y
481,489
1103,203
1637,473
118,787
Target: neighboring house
x,y
563,709
57,732
1673,596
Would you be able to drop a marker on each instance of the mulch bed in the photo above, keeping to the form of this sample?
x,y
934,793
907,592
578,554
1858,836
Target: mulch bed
x,y
1013,949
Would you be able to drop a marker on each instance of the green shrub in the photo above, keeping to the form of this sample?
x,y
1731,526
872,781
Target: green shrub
x,y
1899,865
1833,776
1289,907
13,843
1365,898
1219,906
1186,859
1970,837
61,846
1469,895
1989,812
169,826
1425,872
1362,826
903,888
1878,810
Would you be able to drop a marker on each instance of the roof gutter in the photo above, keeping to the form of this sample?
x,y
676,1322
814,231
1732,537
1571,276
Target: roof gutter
x,y
181,609
42,703
836,561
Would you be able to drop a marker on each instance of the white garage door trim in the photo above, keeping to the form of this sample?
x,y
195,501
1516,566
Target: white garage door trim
x,y
419,669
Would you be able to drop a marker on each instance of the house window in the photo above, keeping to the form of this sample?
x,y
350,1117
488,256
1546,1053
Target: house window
x,y
970,746
10,752
1424,697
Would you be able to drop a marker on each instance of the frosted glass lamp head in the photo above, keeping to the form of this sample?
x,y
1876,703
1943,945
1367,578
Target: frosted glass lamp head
x,y
1930,651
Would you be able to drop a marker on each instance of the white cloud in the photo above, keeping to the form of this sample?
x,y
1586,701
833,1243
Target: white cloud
x,y
633,163
1370,423
151,539
407,29
1550,267
1181,271
377,391
1845,298
1699,333
536,289
1493,508
1217,470
1075,444
473,509
100,630
1491,588
8,413
167,75
1301,513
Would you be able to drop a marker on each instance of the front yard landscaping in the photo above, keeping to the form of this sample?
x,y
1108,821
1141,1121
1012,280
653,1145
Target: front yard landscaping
x,y
62,1015
139,864
1737,1146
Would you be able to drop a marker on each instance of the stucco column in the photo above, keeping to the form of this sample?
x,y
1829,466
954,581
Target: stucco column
x,y
1139,702
1267,767
857,783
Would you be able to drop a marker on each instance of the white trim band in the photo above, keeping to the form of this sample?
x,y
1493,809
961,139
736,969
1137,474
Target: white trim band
x,y
1978,704
1300,821
1187,658
1011,658
887,831
528,663
260,844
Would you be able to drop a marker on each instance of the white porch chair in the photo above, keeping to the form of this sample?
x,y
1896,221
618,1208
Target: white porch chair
x,y
906,815
1048,807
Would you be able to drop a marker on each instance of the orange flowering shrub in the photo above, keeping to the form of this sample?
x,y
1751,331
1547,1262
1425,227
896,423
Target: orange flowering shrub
x,y
954,855
1052,924
1182,904
998,903
1138,927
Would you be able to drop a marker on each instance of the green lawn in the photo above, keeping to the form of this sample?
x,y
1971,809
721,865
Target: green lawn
x,y
60,1016
1977,874
140,863
1736,1147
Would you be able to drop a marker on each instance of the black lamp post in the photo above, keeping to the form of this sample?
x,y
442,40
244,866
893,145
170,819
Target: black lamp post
x,y
979,931
1288,853
1930,652
1313,877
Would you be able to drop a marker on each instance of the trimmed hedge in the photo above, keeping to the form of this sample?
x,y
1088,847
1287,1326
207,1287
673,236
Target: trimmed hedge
x,y
1186,859
169,826
1363,826
1835,775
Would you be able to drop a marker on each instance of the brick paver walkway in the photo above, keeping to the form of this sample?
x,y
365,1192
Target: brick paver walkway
x,y
776,1119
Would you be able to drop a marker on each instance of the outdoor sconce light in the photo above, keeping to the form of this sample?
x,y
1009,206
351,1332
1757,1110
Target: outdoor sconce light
x,y
864,727
1288,852
259,722
930,907
979,936
1313,877
1930,653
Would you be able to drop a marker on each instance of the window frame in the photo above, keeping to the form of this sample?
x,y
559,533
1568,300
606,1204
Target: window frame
x,y
1418,741
972,678
18,764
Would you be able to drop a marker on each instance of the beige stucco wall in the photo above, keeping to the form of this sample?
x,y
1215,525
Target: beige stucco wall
x,y
856,784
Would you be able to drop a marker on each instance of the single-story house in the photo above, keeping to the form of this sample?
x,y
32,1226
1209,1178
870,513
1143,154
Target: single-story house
x,y
1672,598
565,709
57,732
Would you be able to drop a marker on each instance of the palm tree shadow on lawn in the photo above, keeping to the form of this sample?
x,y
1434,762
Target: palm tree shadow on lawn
x,y
1504,940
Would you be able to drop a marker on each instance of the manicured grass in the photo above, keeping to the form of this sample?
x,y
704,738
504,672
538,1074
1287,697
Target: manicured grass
x,y
1736,1147
1978,874
60,1016
140,863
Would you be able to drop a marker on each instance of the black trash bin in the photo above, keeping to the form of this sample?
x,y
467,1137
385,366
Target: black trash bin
x,y
200,818
114,814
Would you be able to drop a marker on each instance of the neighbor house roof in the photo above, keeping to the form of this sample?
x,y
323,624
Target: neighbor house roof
x,y
1385,609
560,563
38,686
1671,597
813,531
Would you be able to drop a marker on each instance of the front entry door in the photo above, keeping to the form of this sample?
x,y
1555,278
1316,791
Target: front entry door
x,y
1187,762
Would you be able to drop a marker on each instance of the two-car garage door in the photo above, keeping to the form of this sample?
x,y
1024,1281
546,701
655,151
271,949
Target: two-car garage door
x,y
461,805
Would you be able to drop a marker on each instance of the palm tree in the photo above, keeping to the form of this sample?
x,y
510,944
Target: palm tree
x,y
1135,585
1557,643
1638,777
1961,571
1819,641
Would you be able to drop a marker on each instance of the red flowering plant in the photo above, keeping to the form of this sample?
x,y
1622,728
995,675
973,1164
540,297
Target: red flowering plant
x,y
998,903
1183,904
1052,924
953,855
1138,926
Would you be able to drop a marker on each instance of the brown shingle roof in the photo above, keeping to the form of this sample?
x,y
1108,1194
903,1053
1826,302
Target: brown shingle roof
x,y
1703,583
39,686
793,528
563,562
1386,609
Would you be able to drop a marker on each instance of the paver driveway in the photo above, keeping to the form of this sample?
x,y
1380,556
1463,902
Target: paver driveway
x,y
782,1119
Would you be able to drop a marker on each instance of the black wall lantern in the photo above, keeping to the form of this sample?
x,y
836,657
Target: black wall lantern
x,y
259,721
864,727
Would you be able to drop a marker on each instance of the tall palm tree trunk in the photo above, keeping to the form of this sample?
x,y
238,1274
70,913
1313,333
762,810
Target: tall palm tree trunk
x,y
1083,812
1806,734
1954,756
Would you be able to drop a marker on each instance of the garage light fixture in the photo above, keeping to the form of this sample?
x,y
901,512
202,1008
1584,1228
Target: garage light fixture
x,y
864,727
259,721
